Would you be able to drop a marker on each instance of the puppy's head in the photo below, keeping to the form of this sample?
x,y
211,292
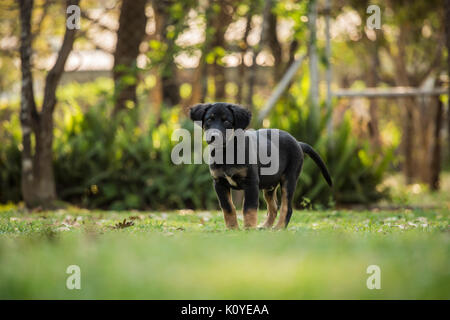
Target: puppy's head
x,y
219,117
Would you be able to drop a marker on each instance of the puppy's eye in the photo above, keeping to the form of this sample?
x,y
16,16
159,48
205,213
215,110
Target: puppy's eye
x,y
227,123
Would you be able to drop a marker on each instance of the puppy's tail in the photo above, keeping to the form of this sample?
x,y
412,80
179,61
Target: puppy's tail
x,y
318,160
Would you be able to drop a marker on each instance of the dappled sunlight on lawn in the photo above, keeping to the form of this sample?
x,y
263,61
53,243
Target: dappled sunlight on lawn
x,y
187,254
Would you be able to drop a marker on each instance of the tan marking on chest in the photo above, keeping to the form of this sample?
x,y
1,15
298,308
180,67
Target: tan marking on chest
x,y
241,172
216,173
233,172
228,174
231,181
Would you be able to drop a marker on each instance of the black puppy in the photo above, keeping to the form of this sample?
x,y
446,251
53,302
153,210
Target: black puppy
x,y
218,120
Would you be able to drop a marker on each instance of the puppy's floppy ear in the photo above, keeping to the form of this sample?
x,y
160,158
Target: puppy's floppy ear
x,y
241,115
198,111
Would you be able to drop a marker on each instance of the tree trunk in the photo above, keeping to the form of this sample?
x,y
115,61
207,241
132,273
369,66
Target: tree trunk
x,y
425,123
313,61
28,112
132,23
197,84
38,184
409,167
199,80
256,50
220,25
244,48
374,64
274,45
435,162
447,38
167,69
45,191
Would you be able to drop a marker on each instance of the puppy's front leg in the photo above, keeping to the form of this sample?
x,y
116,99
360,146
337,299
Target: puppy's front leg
x,y
228,209
251,199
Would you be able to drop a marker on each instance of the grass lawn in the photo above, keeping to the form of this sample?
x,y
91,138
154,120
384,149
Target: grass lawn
x,y
190,255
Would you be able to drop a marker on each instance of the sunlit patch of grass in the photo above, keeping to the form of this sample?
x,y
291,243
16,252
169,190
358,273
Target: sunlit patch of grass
x,y
419,194
186,254
190,254
331,221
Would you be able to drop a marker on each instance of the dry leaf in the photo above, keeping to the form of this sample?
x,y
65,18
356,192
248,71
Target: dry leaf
x,y
123,224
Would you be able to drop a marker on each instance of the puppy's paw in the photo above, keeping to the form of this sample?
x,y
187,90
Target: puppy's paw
x,y
279,227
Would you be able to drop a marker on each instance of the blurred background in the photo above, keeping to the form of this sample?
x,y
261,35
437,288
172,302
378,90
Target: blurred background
x,y
86,115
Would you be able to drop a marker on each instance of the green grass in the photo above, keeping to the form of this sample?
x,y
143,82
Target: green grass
x,y
190,255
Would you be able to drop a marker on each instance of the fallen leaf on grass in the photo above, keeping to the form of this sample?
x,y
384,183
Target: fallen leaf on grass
x,y
205,215
123,224
71,221
37,209
175,229
185,212
138,217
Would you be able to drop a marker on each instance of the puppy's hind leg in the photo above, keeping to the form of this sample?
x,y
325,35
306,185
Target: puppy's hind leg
x,y
287,193
271,200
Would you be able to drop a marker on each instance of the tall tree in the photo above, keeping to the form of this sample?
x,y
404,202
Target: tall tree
x,y
274,44
244,46
256,50
447,42
37,182
167,69
224,15
199,79
131,32
372,67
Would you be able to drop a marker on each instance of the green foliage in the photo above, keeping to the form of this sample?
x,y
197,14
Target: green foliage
x,y
297,12
116,164
124,162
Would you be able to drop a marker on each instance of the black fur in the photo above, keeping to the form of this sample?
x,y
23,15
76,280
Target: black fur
x,y
198,111
246,176
242,117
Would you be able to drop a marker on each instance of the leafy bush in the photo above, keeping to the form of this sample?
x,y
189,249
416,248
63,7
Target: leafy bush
x,y
117,164
123,162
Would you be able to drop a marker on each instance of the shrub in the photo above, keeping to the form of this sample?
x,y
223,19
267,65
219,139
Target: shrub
x,y
123,162
117,164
